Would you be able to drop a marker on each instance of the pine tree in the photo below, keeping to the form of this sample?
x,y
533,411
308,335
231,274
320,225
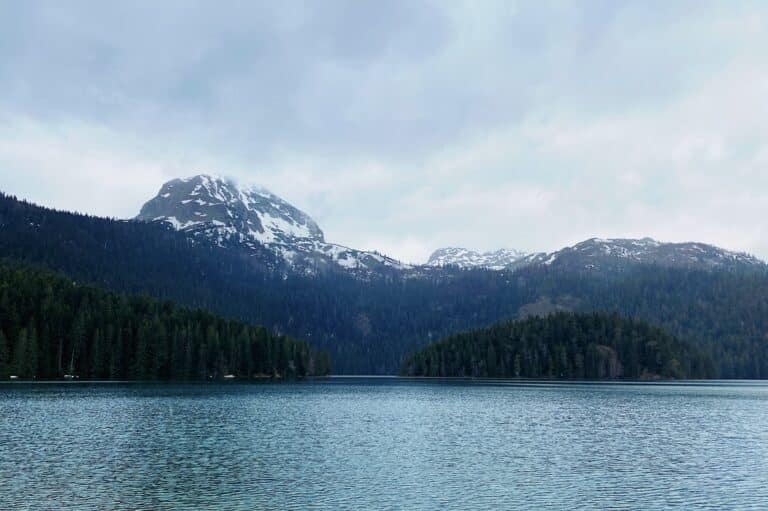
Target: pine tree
x,y
5,356
20,354
116,356
97,353
33,353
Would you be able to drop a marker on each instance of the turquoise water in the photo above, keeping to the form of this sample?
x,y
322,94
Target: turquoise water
x,y
384,444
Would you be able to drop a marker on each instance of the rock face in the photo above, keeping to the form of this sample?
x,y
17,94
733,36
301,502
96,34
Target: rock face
x,y
464,258
253,218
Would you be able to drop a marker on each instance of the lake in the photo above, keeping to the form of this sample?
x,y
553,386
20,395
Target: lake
x,y
356,443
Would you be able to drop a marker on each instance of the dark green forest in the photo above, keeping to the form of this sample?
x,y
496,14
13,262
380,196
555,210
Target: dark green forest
x,y
368,325
51,326
562,345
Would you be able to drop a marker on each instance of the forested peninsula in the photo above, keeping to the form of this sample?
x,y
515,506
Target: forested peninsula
x,y
562,345
51,327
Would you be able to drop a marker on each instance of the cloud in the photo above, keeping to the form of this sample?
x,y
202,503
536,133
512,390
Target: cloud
x,y
403,126
77,167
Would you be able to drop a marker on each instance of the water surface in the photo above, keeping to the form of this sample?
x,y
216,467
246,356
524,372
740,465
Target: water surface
x,y
384,444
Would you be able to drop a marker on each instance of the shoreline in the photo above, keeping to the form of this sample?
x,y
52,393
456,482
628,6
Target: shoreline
x,y
404,379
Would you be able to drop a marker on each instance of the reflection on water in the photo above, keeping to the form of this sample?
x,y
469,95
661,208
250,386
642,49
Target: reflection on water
x,y
383,444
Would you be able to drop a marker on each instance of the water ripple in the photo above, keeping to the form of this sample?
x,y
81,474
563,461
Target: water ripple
x,y
379,444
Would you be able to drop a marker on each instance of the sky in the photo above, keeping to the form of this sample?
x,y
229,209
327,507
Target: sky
x,y
406,125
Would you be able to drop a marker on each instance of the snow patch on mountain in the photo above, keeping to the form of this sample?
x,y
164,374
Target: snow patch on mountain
x,y
650,251
604,254
465,258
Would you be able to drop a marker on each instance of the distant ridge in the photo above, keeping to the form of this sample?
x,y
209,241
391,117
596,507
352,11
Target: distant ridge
x,y
605,254
253,218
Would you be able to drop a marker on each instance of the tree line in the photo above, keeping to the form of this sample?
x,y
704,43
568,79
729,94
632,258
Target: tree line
x,y
562,345
52,327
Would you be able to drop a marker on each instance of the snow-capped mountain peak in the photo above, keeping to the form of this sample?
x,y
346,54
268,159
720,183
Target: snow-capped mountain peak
x,y
251,217
465,258
212,202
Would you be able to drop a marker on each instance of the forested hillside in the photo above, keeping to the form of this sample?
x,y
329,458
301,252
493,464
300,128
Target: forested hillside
x,y
562,345
366,325
369,325
724,314
51,326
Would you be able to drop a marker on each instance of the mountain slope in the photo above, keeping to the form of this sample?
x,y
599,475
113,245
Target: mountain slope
x,y
252,218
366,325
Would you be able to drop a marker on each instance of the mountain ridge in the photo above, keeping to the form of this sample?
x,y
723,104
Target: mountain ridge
x,y
611,254
254,219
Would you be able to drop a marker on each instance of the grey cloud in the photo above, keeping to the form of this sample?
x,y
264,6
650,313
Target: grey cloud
x,y
395,78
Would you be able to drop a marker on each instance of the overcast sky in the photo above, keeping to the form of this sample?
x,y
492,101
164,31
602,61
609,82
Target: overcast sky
x,y
403,125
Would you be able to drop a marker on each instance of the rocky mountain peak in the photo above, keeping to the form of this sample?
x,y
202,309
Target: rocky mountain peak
x,y
216,208
252,213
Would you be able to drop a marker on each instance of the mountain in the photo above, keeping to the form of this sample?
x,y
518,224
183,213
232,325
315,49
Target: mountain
x,y
607,256
463,258
253,218
368,325
365,324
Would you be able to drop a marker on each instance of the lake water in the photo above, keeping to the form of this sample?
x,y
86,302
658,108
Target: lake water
x,y
384,444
